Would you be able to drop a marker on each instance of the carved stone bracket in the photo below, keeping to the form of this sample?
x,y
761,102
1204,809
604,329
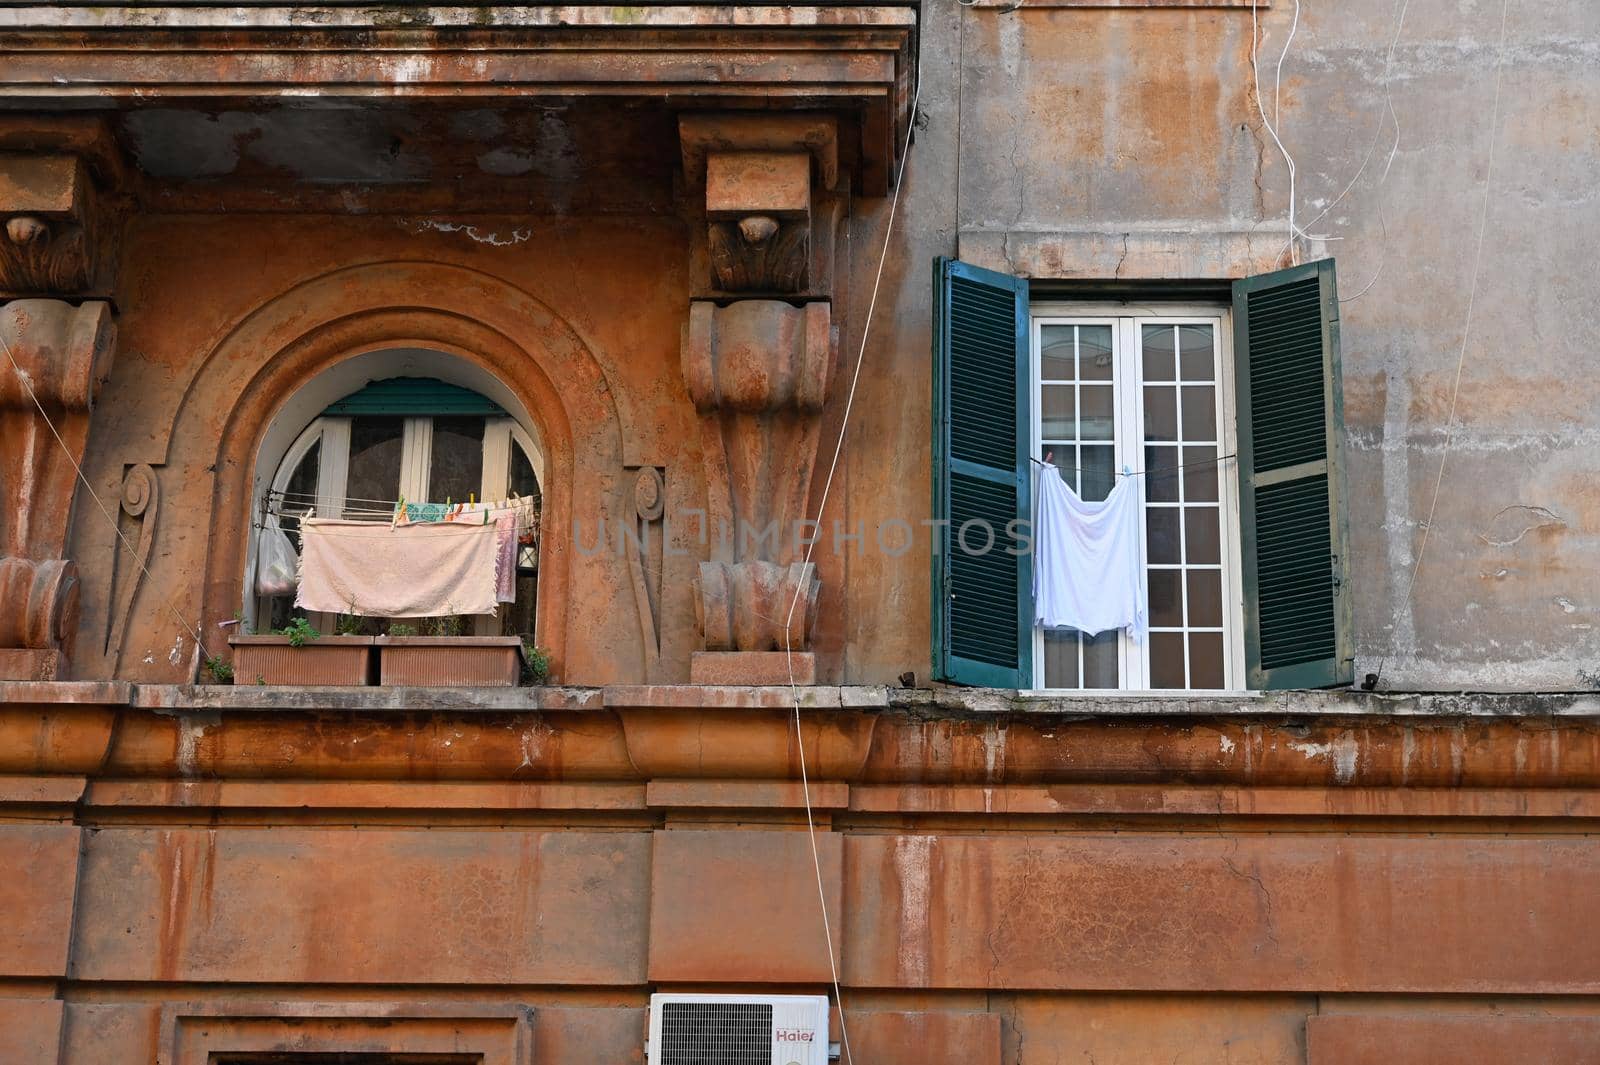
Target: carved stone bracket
x,y
53,240
141,501
769,201
758,372
56,358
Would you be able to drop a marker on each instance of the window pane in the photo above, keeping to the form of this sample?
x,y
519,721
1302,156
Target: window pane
x,y
1166,660
1202,535
1158,355
300,494
1055,352
1060,658
1161,533
1200,474
1166,598
1099,471
523,482
1094,352
1057,418
1205,660
374,477
455,469
1161,474
1161,413
1196,353
1205,598
1100,661
1099,419
1199,412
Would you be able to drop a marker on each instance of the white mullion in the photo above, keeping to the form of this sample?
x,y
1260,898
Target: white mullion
x,y
1232,580
495,484
1132,338
416,458
1183,518
333,471
1036,432
1078,470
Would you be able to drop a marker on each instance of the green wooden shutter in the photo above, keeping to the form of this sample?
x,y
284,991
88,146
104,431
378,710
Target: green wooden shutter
x,y
982,601
1291,479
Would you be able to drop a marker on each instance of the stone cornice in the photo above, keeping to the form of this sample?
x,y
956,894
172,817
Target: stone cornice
x,y
850,60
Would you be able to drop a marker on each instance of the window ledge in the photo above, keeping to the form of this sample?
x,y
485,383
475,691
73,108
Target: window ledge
x,y
939,702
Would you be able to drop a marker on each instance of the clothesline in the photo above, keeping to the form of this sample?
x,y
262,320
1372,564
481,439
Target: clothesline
x,y
386,506
1139,473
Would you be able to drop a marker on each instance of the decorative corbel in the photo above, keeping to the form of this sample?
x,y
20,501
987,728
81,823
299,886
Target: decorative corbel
x,y
56,358
53,240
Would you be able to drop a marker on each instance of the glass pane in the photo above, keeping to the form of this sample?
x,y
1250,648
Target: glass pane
x,y
1099,419
1161,533
1058,420
299,495
1166,660
1205,598
1199,412
1055,352
1100,661
1205,660
523,482
374,478
1158,355
1200,474
1161,413
1060,658
1161,474
1202,534
1166,598
1196,353
1099,471
455,470
1094,352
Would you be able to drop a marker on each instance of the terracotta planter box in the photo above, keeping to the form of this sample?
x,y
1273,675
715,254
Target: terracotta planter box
x,y
326,660
450,661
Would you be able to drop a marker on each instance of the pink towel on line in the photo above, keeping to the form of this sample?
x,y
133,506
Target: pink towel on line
x,y
405,571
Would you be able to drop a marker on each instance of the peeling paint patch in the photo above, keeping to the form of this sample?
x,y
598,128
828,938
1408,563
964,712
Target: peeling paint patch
x,y
913,866
515,236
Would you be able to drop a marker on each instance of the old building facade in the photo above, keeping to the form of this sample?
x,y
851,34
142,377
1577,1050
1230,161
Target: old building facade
x,y
754,313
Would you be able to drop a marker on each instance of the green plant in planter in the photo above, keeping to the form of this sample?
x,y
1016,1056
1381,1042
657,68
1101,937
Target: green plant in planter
x,y
219,669
452,625
535,663
348,624
400,628
299,632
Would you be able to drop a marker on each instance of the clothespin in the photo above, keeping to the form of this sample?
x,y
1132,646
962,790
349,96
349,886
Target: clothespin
x,y
1126,472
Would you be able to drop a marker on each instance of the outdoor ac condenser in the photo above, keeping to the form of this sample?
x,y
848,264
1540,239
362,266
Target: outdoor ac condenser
x,y
738,1030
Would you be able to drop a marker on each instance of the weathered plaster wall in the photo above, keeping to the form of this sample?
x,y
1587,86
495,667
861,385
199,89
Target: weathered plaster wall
x,y
1066,142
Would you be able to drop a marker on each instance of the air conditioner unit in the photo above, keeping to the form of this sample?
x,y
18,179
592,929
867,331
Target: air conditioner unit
x,y
738,1030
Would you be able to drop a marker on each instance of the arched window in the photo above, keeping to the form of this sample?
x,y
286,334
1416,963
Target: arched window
x,y
416,439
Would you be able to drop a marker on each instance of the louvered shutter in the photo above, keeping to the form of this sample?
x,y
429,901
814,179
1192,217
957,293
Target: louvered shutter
x,y
982,600
1291,476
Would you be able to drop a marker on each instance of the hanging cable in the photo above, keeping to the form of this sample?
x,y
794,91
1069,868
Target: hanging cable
x,y
28,385
1371,681
788,626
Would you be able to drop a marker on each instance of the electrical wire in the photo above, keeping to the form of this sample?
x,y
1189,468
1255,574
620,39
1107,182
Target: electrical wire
x,y
1271,125
1466,328
27,384
827,486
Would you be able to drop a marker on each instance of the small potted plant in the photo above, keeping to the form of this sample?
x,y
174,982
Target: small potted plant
x,y
448,659
299,654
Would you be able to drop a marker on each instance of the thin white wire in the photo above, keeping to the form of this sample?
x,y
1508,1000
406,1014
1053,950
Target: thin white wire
x,y
1271,124
788,625
1466,328
27,384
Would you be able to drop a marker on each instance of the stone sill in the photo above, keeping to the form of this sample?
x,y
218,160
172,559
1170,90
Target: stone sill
x,y
937,703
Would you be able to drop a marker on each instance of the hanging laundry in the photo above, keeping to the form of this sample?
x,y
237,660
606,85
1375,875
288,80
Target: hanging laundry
x,y
510,519
377,569
1086,569
424,512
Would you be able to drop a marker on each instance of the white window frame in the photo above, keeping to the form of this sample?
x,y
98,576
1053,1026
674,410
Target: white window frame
x,y
1128,322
